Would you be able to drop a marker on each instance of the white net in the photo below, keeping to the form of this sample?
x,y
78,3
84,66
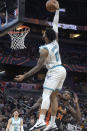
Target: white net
x,y
18,37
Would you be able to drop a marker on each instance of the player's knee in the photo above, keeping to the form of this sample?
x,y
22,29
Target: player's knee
x,y
53,95
46,99
46,94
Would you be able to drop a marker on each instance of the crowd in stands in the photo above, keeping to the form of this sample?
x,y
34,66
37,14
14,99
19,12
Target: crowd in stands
x,y
77,82
70,54
74,82
73,57
7,104
23,102
19,86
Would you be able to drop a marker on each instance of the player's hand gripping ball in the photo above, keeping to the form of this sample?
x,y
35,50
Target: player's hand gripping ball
x,y
52,5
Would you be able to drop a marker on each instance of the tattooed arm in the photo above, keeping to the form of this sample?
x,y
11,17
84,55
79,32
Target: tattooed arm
x,y
40,63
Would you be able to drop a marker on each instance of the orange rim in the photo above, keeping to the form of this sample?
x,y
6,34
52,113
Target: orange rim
x,y
19,28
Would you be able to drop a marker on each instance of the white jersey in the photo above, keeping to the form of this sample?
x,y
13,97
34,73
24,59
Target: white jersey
x,y
16,124
53,58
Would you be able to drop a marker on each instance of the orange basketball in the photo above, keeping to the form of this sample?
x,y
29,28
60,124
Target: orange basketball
x,y
52,5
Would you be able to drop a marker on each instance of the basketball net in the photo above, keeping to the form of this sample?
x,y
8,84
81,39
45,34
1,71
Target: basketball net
x,y
18,36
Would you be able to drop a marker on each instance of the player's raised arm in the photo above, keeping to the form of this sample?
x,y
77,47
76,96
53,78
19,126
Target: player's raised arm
x,y
40,63
8,125
56,18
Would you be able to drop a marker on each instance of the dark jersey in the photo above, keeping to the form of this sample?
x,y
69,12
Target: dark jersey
x,y
61,113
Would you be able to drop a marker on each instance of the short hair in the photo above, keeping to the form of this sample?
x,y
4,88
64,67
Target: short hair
x,y
16,109
70,93
51,34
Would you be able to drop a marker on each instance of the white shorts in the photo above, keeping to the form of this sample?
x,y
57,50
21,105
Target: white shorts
x,y
55,78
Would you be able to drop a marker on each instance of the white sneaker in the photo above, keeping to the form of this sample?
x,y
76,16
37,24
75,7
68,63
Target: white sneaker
x,y
52,127
39,125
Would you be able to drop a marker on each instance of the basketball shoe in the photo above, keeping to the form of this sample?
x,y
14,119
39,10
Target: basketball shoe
x,y
39,125
51,127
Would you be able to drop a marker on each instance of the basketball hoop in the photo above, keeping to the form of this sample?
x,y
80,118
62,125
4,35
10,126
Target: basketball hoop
x,y
18,36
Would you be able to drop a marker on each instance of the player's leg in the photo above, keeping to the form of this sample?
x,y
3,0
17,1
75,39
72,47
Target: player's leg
x,y
54,106
54,98
45,102
54,103
48,88
40,124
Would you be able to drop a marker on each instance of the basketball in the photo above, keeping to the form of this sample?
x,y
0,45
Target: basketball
x,y
52,5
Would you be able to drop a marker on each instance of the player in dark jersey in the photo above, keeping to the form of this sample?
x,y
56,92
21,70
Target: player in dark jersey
x,y
63,109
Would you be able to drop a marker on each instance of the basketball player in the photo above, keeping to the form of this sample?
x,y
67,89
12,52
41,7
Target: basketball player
x,y
15,123
64,108
49,56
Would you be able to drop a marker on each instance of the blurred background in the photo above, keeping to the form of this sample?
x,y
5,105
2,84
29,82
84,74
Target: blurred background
x,y
73,49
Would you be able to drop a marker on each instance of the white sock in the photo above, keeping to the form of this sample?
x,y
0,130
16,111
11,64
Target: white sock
x,y
42,117
53,118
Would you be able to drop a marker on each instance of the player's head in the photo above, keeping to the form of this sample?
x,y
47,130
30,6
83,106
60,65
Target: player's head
x,y
66,95
49,35
16,112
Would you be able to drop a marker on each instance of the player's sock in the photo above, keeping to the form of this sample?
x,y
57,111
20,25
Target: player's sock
x,y
42,117
53,119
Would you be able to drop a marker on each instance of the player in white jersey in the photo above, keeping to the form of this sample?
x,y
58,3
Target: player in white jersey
x,y
49,56
15,123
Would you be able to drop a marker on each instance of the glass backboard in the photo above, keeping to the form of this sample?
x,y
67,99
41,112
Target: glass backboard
x,y
11,14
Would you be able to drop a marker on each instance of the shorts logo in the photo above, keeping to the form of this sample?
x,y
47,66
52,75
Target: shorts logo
x,y
48,77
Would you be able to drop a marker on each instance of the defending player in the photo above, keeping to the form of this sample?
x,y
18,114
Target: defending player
x,y
64,109
15,123
49,56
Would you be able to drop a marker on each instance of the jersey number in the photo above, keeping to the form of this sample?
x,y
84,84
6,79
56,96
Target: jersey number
x,y
56,54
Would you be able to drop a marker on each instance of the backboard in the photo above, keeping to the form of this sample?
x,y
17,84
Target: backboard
x,y
11,14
